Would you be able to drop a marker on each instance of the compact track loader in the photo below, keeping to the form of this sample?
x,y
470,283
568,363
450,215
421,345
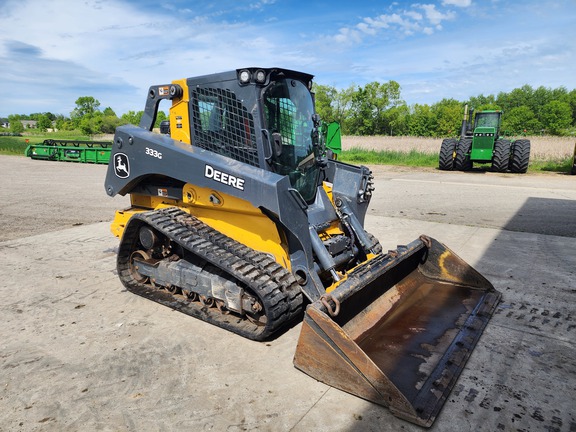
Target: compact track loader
x,y
238,218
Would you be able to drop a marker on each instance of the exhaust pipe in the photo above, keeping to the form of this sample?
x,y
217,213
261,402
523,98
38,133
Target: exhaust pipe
x,y
464,127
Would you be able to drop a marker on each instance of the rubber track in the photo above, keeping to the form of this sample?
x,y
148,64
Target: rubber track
x,y
276,287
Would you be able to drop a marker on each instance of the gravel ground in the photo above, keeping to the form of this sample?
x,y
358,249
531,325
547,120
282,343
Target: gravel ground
x,y
77,352
41,196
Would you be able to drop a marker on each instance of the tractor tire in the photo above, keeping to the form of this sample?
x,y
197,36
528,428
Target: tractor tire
x,y
462,161
501,156
447,154
520,156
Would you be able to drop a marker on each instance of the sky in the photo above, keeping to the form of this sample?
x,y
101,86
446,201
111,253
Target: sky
x,y
54,51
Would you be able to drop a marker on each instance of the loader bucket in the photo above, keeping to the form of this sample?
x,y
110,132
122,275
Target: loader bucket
x,y
408,321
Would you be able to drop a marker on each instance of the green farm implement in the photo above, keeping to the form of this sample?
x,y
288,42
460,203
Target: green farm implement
x,y
332,138
97,152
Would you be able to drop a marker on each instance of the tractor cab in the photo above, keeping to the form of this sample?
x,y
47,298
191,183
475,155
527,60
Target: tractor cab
x,y
485,133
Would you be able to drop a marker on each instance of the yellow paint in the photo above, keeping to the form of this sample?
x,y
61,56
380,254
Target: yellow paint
x,y
369,258
335,285
234,217
441,265
179,115
121,219
335,228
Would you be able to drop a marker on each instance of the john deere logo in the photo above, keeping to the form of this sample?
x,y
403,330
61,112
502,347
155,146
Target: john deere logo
x,y
121,165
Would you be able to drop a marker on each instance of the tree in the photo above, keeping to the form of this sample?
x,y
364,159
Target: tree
x,y
16,126
91,124
422,121
396,119
109,112
109,121
543,96
324,97
85,105
570,99
132,117
516,98
64,123
160,117
369,104
85,126
448,114
342,105
480,100
484,107
333,105
44,122
519,120
556,117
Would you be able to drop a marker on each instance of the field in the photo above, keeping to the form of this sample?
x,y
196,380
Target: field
x,y
548,153
542,147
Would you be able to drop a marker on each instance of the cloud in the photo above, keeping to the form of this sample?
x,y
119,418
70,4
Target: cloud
x,y
459,3
52,85
434,16
419,19
261,4
115,49
18,48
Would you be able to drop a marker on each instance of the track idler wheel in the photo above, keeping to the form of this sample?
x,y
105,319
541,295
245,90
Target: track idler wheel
x,y
139,254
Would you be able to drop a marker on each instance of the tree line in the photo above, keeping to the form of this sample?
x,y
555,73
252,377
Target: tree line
x,y
378,109
373,109
85,117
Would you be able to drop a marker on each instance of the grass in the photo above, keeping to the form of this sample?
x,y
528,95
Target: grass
x,y
550,165
10,145
415,158
389,157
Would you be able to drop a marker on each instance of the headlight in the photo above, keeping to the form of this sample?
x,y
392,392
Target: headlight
x,y
244,76
260,76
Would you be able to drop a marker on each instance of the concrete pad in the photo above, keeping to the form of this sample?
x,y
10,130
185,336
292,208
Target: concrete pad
x,y
78,352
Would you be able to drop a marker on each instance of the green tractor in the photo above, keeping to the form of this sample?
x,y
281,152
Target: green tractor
x,y
481,142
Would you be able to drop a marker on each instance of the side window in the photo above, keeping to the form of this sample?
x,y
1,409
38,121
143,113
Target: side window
x,y
280,118
223,125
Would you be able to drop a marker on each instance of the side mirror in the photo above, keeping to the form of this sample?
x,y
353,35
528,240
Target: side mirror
x,y
316,120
